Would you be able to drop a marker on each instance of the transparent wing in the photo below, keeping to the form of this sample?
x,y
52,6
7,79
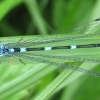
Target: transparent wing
x,y
58,38
83,28
8,60
67,58
60,64
75,32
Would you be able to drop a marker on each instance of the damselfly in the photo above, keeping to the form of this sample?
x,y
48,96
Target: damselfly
x,y
78,43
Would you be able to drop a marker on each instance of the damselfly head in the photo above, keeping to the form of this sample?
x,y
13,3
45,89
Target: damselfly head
x,y
3,50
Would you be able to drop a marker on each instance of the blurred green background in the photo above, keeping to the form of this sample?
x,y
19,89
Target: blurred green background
x,y
34,17
29,17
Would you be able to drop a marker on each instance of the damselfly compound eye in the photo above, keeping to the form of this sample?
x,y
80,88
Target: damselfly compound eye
x,y
1,50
